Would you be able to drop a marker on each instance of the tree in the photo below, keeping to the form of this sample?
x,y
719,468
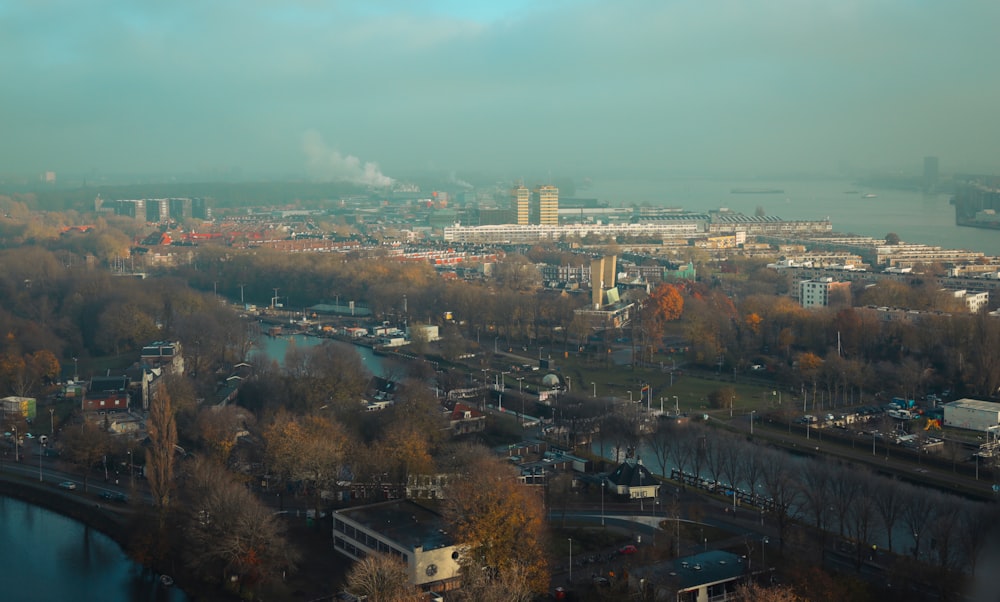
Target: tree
x,y
499,524
722,398
752,592
84,445
229,532
309,449
892,239
217,429
382,578
162,431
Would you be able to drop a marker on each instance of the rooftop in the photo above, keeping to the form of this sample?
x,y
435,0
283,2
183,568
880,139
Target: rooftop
x,y
407,523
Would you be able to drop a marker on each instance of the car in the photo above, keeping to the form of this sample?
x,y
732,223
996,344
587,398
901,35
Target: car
x,y
114,496
67,485
628,550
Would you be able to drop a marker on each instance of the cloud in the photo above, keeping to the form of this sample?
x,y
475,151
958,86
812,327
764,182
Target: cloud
x,y
326,163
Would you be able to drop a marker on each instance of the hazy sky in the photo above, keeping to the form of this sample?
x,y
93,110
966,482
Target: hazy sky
x,y
358,89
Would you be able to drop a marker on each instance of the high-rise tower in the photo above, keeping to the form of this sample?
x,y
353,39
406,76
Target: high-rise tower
x,y
521,202
548,205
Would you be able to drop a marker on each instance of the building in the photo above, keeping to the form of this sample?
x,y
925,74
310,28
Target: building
x,y
406,530
464,419
165,354
548,205
974,301
634,480
521,201
603,274
18,408
817,293
972,414
106,393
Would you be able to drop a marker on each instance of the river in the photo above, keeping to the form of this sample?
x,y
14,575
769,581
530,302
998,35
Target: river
x,y
275,348
916,218
46,556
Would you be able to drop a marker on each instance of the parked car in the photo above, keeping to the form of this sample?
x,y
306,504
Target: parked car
x,y
68,485
628,550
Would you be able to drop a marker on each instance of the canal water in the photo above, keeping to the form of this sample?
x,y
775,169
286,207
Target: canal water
x,y
45,556
274,348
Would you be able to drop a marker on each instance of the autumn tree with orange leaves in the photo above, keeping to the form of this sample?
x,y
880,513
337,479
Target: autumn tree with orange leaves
x,y
665,304
23,375
499,525
309,449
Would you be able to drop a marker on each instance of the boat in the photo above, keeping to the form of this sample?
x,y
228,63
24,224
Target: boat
x,y
869,195
166,580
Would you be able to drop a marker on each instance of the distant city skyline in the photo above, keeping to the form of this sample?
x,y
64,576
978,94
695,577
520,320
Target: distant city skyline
x,y
375,91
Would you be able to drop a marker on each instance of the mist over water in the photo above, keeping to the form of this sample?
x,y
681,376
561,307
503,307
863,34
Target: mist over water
x,y
915,217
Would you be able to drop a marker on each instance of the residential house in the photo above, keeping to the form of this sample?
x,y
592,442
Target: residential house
x,y
106,393
634,480
465,419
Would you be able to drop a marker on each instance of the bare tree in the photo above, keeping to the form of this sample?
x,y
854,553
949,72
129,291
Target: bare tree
x,y
383,578
779,478
229,532
862,513
917,511
889,503
83,446
162,446
816,491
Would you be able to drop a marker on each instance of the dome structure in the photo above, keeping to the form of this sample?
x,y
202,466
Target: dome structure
x,y
550,380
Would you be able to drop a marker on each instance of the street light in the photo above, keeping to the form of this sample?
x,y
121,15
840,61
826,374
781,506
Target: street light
x,y
571,560
15,442
604,483
76,373
52,421
677,406
520,379
630,396
751,422
595,389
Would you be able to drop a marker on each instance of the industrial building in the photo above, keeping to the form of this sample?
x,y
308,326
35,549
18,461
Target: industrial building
x,y
972,414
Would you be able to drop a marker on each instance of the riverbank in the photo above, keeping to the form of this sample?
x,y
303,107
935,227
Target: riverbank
x,y
112,522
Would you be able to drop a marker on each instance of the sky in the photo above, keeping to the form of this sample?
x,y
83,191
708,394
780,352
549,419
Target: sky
x,y
376,90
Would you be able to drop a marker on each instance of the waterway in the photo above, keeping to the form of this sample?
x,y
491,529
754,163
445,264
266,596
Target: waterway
x,y
46,556
275,348
915,217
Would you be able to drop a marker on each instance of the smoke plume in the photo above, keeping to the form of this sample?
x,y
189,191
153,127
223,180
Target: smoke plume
x,y
329,164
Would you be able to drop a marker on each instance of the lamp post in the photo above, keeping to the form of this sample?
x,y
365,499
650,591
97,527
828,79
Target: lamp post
x,y
751,422
501,386
569,384
76,373
485,388
15,443
763,543
595,388
604,483
495,341
52,421
677,406
39,463
520,393
630,397
131,469
571,560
